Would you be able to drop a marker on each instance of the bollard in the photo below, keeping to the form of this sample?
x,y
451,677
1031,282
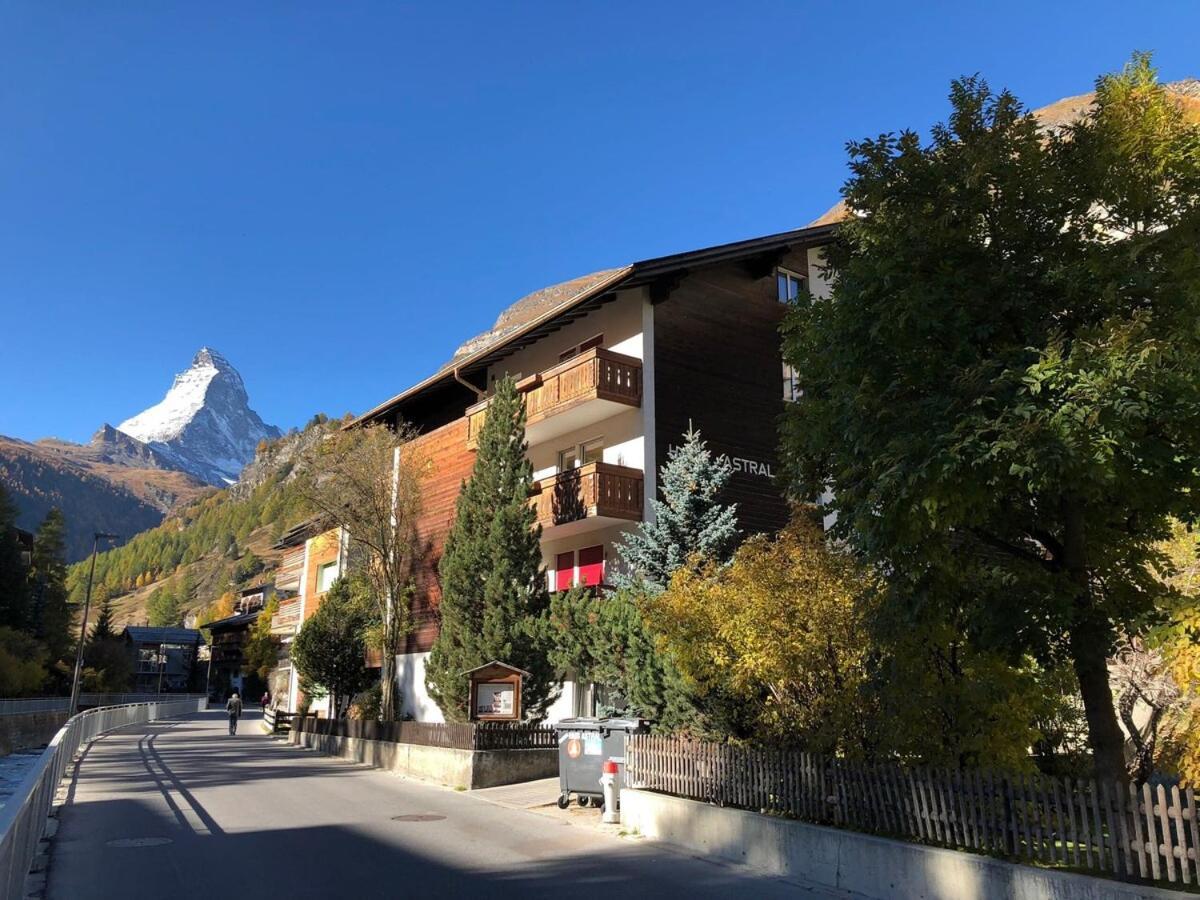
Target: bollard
x,y
612,793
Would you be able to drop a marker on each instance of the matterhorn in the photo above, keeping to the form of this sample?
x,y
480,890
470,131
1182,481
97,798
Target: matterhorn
x,y
204,425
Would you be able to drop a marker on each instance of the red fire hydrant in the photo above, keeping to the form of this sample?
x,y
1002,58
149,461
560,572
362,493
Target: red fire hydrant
x,y
612,793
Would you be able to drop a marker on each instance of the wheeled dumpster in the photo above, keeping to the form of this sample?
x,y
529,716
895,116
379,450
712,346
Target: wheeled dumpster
x,y
584,743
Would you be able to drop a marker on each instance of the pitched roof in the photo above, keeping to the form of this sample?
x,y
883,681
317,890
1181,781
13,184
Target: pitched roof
x,y
546,310
148,634
233,621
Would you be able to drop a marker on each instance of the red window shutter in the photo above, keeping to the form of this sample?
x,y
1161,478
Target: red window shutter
x,y
591,566
564,570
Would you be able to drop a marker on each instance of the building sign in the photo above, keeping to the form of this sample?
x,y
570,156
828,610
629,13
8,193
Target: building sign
x,y
496,698
749,466
742,465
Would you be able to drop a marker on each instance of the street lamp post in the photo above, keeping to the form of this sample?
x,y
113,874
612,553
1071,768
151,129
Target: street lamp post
x,y
87,602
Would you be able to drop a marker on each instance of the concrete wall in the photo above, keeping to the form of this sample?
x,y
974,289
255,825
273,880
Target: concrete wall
x,y
20,731
871,866
470,769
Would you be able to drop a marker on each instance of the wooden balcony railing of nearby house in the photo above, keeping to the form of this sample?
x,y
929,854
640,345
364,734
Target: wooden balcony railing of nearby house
x,y
595,374
291,569
595,490
287,619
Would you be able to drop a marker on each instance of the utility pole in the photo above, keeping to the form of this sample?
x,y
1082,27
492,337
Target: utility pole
x,y
87,602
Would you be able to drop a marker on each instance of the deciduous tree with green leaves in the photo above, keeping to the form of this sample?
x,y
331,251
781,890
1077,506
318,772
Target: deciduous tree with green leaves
x,y
1002,392
329,653
494,591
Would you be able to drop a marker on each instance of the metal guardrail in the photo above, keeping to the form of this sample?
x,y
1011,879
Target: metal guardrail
x,y
54,704
23,818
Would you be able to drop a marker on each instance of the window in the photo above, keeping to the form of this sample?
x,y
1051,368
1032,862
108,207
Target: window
x,y
584,568
564,571
577,455
326,576
788,284
791,383
570,352
591,566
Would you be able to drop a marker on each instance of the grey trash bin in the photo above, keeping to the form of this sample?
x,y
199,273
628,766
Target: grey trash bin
x,y
584,743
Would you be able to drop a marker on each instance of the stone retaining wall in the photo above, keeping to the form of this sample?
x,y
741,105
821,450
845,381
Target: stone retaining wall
x,y
470,769
19,731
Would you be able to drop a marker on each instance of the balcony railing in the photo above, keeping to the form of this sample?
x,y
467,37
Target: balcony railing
x,y
287,619
291,568
598,490
594,375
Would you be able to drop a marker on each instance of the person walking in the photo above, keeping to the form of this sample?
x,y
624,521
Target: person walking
x,y
233,706
266,698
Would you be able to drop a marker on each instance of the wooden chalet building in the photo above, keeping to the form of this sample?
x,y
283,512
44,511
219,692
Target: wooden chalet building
x,y
614,367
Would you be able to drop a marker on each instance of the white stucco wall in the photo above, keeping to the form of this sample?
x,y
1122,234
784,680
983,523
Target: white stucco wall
x,y
819,283
414,698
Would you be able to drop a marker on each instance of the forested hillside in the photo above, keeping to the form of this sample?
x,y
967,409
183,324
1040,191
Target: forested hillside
x,y
208,547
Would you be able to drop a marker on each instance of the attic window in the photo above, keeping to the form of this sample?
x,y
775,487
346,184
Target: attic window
x,y
571,352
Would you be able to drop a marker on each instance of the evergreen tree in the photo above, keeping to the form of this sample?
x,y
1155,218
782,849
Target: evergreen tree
x,y
163,607
494,592
48,584
103,629
14,591
688,520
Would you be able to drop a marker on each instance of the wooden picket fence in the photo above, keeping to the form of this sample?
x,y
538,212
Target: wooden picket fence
x,y
458,736
1124,830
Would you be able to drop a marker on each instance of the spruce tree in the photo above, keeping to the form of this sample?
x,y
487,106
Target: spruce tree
x,y
103,629
494,592
14,591
48,585
688,520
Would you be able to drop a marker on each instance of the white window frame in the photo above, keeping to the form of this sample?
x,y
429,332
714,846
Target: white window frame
x,y
321,570
577,449
800,280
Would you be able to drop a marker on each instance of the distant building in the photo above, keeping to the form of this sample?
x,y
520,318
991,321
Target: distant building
x,y
25,541
227,658
164,659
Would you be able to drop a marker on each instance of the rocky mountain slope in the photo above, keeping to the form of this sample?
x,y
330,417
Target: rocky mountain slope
x,y
204,425
126,479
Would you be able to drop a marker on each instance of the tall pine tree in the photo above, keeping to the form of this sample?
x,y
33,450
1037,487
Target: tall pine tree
x,y
48,585
14,591
103,629
494,591
688,520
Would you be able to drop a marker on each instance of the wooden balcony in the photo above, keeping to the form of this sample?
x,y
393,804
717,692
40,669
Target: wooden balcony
x,y
592,386
591,496
291,569
287,620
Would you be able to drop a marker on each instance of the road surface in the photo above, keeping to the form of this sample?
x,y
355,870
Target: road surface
x,y
180,809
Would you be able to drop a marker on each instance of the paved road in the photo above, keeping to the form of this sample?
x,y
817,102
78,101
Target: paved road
x,y
247,816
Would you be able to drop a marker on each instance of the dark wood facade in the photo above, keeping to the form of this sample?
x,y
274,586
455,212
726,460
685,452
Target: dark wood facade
x,y
718,368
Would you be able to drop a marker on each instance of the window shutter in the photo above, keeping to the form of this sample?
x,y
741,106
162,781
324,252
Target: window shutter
x,y
564,570
591,566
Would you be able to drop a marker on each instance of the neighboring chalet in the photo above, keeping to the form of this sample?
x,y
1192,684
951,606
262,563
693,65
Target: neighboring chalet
x,y
229,636
313,558
615,366
163,659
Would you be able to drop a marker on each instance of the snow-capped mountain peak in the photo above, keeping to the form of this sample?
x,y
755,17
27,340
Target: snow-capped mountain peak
x,y
204,423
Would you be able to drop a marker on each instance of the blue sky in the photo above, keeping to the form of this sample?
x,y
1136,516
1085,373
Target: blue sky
x,y
334,195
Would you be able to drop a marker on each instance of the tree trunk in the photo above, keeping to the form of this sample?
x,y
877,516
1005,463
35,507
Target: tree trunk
x,y
1090,641
387,683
